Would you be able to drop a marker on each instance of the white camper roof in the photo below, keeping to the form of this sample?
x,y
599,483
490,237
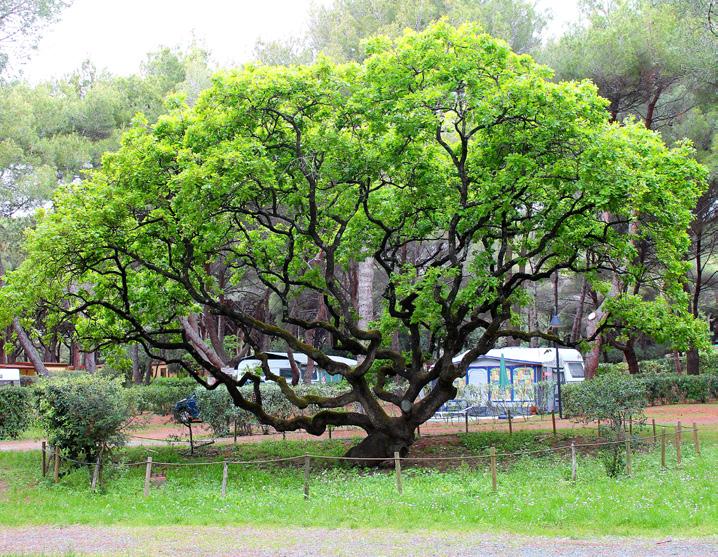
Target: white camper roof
x,y
524,354
300,358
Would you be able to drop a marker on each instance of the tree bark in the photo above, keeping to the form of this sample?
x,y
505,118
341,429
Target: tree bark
x,y
295,368
692,362
365,292
677,362
90,362
29,349
629,354
134,353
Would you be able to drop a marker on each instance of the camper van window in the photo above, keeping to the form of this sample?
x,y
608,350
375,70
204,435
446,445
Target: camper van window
x,y
575,368
285,372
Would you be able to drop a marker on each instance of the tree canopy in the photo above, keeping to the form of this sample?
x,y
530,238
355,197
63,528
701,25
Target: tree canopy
x,y
445,158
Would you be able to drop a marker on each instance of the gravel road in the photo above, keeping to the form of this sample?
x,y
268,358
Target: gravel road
x,y
318,542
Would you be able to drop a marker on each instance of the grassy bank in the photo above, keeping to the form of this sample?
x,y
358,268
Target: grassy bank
x,y
535,495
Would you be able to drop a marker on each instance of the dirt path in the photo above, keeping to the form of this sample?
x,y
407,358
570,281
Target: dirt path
x,y
317,542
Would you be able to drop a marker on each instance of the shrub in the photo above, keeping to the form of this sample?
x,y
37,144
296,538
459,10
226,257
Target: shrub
x,y
15,411
612,369
218,411
83,415
669,388
162,394
610,398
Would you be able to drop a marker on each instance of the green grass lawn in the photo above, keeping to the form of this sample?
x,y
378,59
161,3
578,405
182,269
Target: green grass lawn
x,y
535,495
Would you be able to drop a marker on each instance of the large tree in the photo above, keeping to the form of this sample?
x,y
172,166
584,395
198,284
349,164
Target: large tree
x,y
443,143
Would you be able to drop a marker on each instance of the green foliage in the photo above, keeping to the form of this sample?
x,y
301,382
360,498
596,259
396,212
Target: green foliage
x,y
610,398
83,415
670,388
440,133
16,413
160,396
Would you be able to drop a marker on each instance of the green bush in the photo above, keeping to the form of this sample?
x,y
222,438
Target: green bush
x,y
15,411
612,369
610,398
162,394
670,388
83,415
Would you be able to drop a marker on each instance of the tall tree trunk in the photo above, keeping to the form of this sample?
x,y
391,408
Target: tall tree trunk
x,y
629,354
134,353
75,355
90,362
148,372
677,362
578,318
692,362
30,351
365,292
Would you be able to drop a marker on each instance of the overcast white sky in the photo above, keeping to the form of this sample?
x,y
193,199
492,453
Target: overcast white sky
x,y
116,34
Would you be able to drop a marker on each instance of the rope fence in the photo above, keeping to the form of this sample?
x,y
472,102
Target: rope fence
x,y
56,457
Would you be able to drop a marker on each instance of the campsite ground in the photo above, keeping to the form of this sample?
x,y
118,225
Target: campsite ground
x,y
447,507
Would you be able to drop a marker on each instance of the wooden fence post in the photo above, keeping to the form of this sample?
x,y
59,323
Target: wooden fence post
x,y
629,469
330,431
44,459
493,468
225,473
56,471
663,448
511,429
418,432
466,421
148,474
307,466
696,442
397,469
598,428
678,443
574,465
553,422
573,461
235,430
630,426
655,439
96,473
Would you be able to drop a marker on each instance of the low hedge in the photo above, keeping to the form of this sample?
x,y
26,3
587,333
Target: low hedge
x,y
16,411
160,396
670,388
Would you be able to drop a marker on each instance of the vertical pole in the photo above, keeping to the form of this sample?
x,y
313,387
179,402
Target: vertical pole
x,y
44,459
466,421
330,431
573,461
511,429
56,472
663,448
235,430
655,439
493,468
148,474
397,469
630,426
678,443
225,473
418,431
628,456
307,466
553,422
696,442
191,441
598,429
96,473
284,436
